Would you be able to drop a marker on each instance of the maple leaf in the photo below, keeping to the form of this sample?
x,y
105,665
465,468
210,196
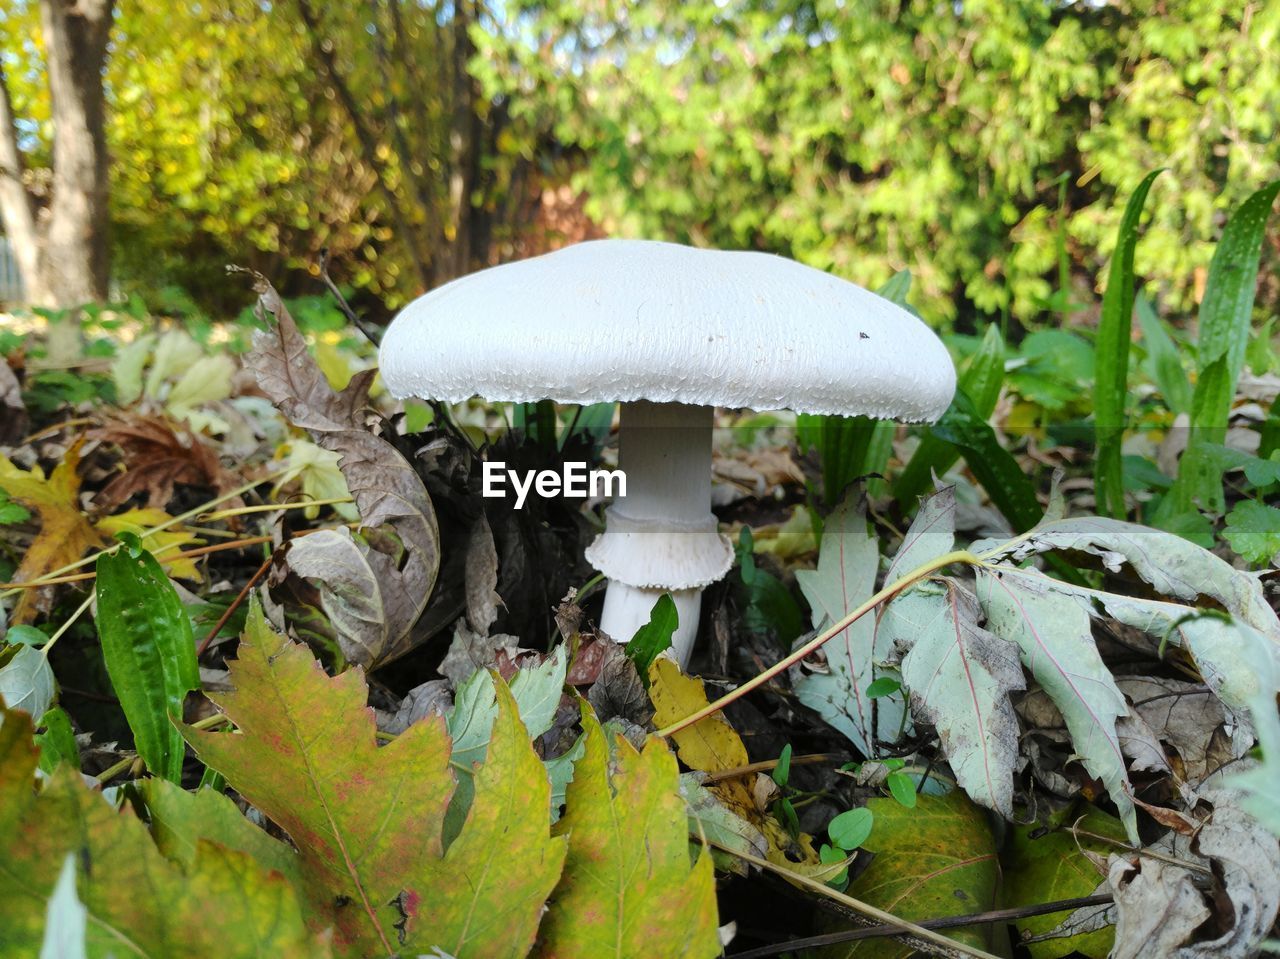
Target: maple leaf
x,y
157,457
138,902
485,897
628,889
368,821
64,534
363,818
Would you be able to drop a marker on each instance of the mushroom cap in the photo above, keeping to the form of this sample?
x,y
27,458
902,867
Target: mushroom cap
x,y
625,320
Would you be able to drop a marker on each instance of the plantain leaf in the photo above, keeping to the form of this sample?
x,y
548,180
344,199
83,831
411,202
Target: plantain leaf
x,y
1111,374
1056,642
855,658
149,651
57,741
628,889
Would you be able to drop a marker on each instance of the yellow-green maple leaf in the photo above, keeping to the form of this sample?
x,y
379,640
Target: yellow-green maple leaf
x,y
139,903
628,889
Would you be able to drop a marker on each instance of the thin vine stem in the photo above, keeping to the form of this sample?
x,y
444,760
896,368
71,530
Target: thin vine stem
x,y
888,592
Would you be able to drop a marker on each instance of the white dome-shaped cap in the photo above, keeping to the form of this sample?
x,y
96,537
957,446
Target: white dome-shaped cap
x,y
634,319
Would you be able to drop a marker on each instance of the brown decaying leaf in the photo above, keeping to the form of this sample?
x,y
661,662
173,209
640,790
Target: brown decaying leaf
x,y
158,455
399,538
65,532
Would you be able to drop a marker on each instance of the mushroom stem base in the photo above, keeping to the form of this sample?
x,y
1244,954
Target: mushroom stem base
x,y
627,607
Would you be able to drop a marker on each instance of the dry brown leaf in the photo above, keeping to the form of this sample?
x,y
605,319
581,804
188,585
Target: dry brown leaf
x,y
157,457
65,532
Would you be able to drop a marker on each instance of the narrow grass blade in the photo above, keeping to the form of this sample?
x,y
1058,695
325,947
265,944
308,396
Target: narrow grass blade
x,y
982,381
1111,377
1226,315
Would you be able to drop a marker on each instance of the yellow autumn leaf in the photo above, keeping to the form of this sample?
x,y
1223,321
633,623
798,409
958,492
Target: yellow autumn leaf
x,y
165,544
65,532
712,746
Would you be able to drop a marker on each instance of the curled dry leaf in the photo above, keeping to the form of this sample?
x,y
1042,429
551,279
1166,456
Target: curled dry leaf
x,y
397,547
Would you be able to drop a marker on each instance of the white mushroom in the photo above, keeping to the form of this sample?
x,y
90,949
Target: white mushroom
x,y
671,332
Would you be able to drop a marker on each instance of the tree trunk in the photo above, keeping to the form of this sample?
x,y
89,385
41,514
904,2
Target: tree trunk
x,y
63,248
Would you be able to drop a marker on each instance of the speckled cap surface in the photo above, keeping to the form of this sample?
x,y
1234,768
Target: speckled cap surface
x,y
635,319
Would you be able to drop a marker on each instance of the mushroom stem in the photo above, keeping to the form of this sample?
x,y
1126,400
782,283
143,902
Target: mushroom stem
x,y
662,536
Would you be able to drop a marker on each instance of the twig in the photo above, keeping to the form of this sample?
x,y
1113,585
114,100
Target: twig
x,y
888,592
918,934
235,604
948,922
370,333
767,764
166,561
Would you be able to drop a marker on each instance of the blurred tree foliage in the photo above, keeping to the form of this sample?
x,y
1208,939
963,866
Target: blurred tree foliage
x,y
866,136
262,133
986,145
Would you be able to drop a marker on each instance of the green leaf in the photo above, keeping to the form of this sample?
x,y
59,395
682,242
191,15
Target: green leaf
x,y
486,896
981,380
57,741
628,889
11,512
767,605
782,772
1164,359
884,686
25,636
1269,435
149,651
1056,642
1005,481
850,829
654,637
1111,375
1225,322
938,859
1046,865
844,579
362,817
139,903
26,682
902,789
1253,531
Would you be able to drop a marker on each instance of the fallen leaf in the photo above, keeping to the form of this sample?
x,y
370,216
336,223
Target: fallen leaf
x,y
363,817
628,889
486,896
164,544
117,861
13,424
1046,865
65,532
938,859
845,578
159,456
